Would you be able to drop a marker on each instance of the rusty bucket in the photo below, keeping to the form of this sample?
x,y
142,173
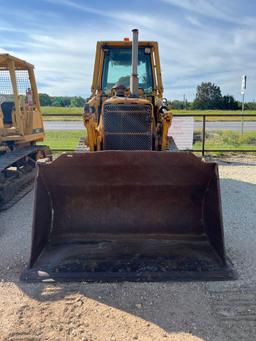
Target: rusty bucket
x,y
128,215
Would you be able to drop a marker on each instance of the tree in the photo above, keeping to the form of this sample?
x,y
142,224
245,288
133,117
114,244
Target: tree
x,y
45,99
66,101
77,102
57,102
229,103
208,96
177,105
250,106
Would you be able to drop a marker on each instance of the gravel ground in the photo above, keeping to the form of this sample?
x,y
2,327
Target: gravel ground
x,y
136,311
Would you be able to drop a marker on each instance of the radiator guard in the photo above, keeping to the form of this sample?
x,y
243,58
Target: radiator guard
x,y
127,127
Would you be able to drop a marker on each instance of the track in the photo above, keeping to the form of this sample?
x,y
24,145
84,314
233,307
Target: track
x,y
18,181
16,190
82,147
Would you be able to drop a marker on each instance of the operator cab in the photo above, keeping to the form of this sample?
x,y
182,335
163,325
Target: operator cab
x,y
7,108
113,67
117,69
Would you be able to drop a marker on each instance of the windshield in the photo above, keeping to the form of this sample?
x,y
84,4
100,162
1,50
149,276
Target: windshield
x,y
117,69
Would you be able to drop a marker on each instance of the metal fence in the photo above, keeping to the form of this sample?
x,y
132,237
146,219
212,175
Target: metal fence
x,y
212,133
239,125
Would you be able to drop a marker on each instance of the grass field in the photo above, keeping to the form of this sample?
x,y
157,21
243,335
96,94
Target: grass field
x,y
63,111
63,139
78,111
68,139
226,139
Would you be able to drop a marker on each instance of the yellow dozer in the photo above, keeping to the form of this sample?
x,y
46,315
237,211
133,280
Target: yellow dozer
x,y
21,126
130,207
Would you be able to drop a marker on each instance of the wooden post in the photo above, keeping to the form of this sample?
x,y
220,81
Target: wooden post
x,y
35,96
34,88
18,116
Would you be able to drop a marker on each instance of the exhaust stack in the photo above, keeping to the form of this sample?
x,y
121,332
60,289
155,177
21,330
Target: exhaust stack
x,y
134,76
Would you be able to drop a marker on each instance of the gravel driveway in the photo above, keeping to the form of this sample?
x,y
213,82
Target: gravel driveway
x,y
135,311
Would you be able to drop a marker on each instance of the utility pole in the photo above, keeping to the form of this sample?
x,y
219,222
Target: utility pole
x,y
243,88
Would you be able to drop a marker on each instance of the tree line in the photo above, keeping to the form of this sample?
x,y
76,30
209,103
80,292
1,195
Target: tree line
x,y
209,97
61,101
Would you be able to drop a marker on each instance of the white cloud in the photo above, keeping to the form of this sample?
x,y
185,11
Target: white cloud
x,y
227,10
119,15
191,49
193,21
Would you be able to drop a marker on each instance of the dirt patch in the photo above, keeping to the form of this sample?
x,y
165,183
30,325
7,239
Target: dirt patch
x,y
98,312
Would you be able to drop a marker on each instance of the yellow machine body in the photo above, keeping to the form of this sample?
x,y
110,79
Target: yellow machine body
x,y
94,109
21,126
21,120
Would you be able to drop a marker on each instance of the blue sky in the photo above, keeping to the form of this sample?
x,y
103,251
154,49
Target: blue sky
x,y
199,40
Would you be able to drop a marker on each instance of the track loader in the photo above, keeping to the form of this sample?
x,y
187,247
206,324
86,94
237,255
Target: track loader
x,y
130,207
21,126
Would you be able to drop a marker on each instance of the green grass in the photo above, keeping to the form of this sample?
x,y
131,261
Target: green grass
x,y
63,118
62,111
63,139
69,139
78,111
228,139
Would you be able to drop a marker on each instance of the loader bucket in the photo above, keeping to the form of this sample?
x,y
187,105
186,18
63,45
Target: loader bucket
x,y
127,215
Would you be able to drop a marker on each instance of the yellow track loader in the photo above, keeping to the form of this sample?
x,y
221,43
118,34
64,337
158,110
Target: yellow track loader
x,y
21,126
131,207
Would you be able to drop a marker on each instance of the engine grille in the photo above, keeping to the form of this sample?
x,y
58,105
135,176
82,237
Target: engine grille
x,y
127,127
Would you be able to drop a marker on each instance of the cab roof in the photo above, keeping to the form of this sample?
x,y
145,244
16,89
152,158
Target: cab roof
x,y
123,43
20,64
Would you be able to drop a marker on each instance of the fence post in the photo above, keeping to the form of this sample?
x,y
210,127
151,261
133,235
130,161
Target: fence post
x,y
203,142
